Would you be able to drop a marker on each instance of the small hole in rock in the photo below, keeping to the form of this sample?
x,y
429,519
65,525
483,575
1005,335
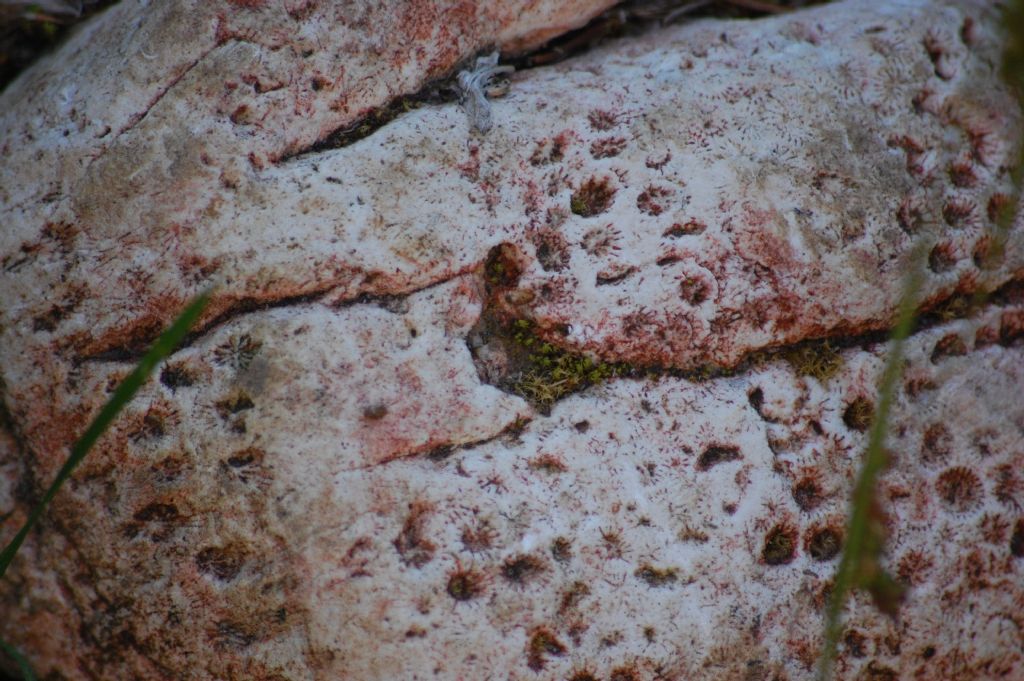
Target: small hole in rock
x,y
501,269
936,443
807,494
222,562
694,291
624,674
521,568
375,412
1011,328
962,174
956,213
561,549
716,454
464,585
959,488
951,345
176,376
543,643
942,258
1017,540
858,414
779,545
688,228
823,544
592,198
654,200
756,399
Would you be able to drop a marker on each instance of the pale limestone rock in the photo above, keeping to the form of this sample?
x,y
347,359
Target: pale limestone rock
x,y
321,485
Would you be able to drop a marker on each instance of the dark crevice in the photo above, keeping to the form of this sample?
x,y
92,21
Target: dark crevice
x,y
27,33
441,453
634,17
435,92
628,19
138,347
622,21
514,354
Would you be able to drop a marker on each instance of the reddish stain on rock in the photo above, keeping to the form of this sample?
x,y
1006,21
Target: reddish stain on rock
x,y
414,548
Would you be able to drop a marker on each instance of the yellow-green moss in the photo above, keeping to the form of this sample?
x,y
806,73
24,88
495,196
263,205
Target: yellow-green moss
x,y
821,360
549,372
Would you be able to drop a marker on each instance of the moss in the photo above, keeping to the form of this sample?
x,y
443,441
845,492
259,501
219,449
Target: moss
x,y
548,373
821,360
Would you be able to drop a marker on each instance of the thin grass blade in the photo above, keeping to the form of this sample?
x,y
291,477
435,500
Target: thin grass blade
x,y
23,666
862,546
124,393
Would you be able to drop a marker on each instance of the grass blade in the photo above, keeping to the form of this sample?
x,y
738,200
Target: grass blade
x,y
858,566
124,393
864,540
19,659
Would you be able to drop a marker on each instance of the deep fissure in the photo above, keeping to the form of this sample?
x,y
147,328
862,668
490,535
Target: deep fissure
x,y
622,21
543,372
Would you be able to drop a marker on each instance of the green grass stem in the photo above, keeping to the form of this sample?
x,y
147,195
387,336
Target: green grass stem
x,y
23,666
858,565
163,346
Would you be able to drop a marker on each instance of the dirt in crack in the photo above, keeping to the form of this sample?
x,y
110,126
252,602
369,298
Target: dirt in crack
x,y
515,354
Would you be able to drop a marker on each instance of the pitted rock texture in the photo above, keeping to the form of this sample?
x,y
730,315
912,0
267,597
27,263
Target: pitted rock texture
x,y
321,485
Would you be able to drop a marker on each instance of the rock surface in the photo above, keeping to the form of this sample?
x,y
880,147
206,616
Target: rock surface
x,y
332,479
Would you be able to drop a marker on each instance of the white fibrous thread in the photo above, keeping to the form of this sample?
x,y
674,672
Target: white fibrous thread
x,y
475,86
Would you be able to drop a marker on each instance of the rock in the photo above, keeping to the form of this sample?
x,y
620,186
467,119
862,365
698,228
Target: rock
x,y
376,458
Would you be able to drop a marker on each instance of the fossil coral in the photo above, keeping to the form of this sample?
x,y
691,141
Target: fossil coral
x,y
702,228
